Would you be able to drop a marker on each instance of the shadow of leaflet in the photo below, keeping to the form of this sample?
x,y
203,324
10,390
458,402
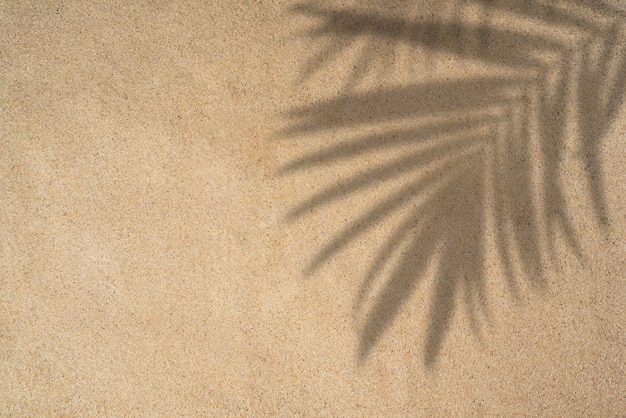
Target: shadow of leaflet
x,y
478,149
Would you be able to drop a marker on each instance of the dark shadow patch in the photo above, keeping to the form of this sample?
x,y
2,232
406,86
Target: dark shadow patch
x,y
466,141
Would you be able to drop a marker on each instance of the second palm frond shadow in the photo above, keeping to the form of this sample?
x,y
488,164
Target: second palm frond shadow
x,y
477,149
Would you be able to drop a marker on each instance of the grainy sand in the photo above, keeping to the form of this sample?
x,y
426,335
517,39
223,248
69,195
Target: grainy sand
x,y
238,208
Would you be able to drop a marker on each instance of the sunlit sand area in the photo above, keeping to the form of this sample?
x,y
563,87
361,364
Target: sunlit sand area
x,y
340,208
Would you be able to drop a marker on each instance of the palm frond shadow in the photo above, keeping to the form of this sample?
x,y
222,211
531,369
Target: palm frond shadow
x,y
478,149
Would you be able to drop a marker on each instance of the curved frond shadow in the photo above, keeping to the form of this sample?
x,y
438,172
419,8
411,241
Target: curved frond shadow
x,y
478,149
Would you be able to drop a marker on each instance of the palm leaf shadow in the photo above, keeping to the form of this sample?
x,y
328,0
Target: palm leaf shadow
x,y
489,136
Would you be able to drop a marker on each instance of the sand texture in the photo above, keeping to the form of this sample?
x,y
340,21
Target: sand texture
x,y
342,208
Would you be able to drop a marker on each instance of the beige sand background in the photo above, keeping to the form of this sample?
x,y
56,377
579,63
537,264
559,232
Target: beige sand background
x,y
148,263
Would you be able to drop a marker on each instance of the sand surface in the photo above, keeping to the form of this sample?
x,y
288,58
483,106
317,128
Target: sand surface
x,y
246,208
